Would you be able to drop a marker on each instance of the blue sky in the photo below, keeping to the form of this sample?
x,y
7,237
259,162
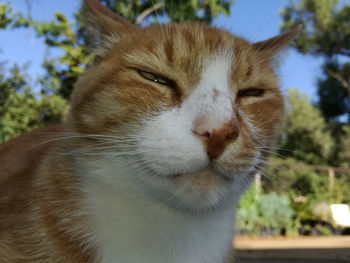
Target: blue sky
x,y
253,19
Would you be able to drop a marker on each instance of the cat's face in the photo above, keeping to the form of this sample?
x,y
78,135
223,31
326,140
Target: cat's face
x,y
195,108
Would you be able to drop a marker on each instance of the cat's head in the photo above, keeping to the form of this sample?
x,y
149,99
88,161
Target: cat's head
x,y
194,107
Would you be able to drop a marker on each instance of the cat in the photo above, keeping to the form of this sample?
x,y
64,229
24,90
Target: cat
x,y
165,131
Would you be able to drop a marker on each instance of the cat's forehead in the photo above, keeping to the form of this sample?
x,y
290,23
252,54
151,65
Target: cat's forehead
x,y
181,44
183,51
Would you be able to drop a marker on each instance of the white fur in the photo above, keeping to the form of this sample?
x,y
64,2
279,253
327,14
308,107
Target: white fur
x,y
134,226
172,147
141,216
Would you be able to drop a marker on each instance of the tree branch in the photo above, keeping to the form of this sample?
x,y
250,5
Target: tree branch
x,y
343,82
322,51
148,11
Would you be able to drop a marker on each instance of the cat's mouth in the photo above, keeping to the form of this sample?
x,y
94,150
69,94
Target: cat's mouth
x,y
202,178
201,189
217,173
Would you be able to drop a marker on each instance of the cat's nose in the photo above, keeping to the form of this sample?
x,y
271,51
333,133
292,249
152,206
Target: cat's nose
x,y
215,135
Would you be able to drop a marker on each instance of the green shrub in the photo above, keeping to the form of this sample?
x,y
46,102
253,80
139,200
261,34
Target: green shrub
x,y
309,191
247,217
275,211
260,213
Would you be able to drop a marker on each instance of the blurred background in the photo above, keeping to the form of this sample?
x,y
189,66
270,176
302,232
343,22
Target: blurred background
x,y
304,189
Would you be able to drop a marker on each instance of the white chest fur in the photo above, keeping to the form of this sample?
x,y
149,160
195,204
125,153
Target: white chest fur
x,y
134,228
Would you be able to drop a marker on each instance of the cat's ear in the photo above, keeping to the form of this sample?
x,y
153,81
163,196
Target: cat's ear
x,y
105,28
273,45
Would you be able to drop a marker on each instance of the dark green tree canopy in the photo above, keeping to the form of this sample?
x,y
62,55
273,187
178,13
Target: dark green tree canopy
x,y
334,98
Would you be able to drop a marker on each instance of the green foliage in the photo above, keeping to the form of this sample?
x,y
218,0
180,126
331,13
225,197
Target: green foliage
x,y
4,15
175,10
10,18
343,153
310,139
326,33
307,136
334,99
275,210
62,72
260,213
310,191
22,110
327,28
298,202
247,217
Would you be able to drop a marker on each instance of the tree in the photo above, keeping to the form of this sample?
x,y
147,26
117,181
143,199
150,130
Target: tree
x,y
327,34
306,134
21,109
343,151
175,10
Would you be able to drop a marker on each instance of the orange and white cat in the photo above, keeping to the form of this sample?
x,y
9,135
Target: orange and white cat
x,y
165,131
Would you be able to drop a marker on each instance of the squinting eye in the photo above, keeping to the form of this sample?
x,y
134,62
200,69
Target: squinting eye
x,y
153,77
251,93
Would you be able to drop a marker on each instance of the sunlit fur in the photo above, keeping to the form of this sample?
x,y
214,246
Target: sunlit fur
x,y
126,179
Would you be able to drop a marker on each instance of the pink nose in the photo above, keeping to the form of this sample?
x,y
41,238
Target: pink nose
x,y
216,137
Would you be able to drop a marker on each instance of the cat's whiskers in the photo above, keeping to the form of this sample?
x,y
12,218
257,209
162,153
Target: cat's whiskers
x,y
276,148
77,134
160,25
263,167
272,153
266,176
171,8
265,162
55,140
73,136
259,170
166,24
98,150
275,185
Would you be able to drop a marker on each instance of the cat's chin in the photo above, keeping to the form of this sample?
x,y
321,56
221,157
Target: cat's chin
x,y
201,178
201,190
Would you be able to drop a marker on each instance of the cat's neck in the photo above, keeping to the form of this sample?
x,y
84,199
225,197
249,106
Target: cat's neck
x,y
132,225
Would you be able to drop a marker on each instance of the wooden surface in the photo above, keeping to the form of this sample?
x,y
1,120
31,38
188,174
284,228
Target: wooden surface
x,y
293,250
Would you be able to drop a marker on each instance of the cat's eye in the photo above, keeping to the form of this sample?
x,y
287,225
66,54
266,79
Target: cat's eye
x,y
153,77
251,93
